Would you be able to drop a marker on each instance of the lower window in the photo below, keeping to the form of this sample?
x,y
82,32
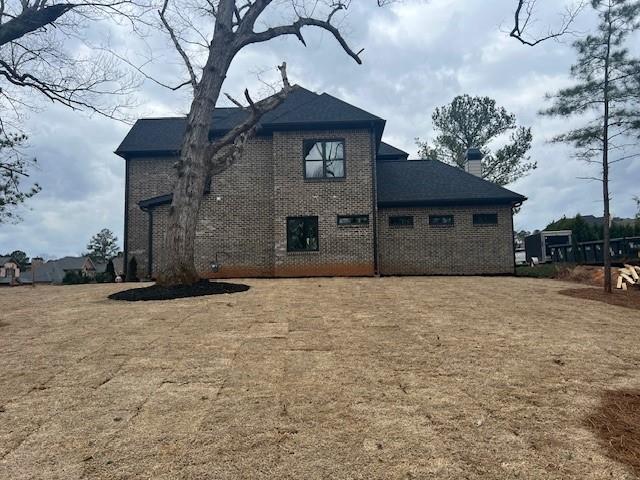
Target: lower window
x,y
441,220
302,234
353,219
485,218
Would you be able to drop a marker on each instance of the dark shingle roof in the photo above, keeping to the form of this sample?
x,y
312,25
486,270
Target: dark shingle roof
x,y
301,109
70,263
389,152
430,182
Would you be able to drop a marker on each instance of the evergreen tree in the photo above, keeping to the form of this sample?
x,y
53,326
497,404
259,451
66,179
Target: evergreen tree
x,y
14,167
103,246
475,122
110,271
607,94
132,270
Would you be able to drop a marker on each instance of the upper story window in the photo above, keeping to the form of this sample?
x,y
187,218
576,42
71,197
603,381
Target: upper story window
x,y
485,218
324,159
441,220
401,221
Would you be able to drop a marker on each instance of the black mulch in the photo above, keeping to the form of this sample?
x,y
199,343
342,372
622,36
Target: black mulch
x,y
158,292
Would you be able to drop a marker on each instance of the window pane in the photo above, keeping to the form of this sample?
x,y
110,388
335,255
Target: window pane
x,y
334,150
353,219
313,169
313,151
302,234
324,159
442,220
485,218
335,169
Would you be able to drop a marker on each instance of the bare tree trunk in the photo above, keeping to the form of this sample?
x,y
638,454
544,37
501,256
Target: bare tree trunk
x,y
178,254
605,168
199,156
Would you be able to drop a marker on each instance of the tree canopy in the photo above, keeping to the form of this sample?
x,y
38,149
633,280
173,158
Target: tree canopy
x,y
103,246
14,169
477,122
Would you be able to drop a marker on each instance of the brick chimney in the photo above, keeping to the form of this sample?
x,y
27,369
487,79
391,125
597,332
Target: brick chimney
x,y
474,162
36,261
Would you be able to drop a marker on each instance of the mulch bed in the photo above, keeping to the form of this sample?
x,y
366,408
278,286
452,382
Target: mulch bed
x,y
616,422
158,292
628,299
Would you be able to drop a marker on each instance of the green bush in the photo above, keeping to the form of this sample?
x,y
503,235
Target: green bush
x,y
545,270
132,271
104,277
75,278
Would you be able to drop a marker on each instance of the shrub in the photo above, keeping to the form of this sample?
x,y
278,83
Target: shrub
x,y
104,277
110,272
75,278
132,271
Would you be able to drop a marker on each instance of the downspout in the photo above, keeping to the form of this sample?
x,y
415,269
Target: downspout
x,y
149,211
513,239
150,243
374,198
125,265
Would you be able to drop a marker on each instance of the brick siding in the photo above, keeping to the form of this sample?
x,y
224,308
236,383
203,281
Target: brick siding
x,y
343,250
243,219
461,249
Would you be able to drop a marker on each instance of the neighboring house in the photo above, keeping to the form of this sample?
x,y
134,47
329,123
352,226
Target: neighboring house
x,y
118,265
54,271
9,271
317,192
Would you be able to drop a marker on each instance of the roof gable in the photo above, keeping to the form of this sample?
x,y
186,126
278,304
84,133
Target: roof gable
x,y
389,152
301,109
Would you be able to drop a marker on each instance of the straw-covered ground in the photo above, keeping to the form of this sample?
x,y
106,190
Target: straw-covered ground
x,y
407,378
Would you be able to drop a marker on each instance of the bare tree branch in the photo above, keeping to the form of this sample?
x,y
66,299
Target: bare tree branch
x,y
224,151
246,37
176,43
523,18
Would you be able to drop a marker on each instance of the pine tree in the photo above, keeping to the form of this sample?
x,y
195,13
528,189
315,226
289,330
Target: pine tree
x,y
607,95
103,246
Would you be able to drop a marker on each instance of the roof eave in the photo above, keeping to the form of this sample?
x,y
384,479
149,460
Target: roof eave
x,y
452,202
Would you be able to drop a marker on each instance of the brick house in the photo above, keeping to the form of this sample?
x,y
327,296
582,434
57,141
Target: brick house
x,y
317,193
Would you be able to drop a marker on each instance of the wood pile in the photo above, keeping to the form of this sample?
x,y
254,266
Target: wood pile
x,y
629,275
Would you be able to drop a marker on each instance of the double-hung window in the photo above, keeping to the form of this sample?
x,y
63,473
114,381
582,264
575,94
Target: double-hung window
x,y
324,159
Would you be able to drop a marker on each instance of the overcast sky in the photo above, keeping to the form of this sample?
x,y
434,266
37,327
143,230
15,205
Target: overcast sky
x,y
418,55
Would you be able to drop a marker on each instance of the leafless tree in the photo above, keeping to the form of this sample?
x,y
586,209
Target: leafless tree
x,y
44,57
524,22
234,25
40,51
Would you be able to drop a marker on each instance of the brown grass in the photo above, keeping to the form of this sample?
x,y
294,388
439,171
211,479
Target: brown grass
x,y
628,299
447,378
617,424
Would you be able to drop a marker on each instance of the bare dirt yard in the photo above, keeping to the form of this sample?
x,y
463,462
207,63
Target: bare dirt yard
x,y
391,378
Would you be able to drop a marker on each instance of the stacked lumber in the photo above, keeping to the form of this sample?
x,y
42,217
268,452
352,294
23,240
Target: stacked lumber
x,y
629,275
